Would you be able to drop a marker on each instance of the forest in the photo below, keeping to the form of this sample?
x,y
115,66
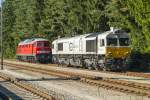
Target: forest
x,y
52,18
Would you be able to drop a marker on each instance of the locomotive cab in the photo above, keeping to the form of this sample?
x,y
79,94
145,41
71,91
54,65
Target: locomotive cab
x,y
42,51
117,44
115,50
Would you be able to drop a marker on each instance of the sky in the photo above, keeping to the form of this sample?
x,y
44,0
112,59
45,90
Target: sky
x,y
0,3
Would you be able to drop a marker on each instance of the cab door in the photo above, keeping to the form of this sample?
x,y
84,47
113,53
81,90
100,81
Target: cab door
x,y
34,46
101,45
80,45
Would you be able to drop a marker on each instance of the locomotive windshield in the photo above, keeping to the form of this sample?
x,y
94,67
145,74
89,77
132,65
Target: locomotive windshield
x,y
124,41
111,41
114,41
43,44
46,44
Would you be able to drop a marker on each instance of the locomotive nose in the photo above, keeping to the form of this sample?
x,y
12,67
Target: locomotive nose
x,y
43,50
118,52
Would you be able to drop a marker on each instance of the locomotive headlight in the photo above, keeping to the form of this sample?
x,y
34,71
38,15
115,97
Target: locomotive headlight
x,y
127,53
109,54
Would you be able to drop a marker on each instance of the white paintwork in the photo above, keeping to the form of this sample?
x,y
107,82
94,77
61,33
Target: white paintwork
x,y
73,45
78,45
31,41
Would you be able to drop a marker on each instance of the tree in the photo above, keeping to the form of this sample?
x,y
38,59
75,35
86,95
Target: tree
x,y
140,11
52,18
8,22
132,15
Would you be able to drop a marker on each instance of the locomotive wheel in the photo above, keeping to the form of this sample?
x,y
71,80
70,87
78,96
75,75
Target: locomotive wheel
x,y
97,68
89,66
84,65
125,67
102,67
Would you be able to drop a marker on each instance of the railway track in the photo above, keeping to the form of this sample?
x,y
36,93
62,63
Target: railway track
x,y
10,91
128,73
136,74
54,72
23,88
119,85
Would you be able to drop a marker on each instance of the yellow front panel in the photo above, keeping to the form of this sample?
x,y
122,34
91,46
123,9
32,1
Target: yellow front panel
x,y
117,52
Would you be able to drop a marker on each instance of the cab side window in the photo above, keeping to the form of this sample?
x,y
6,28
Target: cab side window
x,y
39,44
34,45
102,43
60,46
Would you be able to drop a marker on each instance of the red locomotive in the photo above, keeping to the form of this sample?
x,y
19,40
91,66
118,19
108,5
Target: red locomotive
x,y
34,50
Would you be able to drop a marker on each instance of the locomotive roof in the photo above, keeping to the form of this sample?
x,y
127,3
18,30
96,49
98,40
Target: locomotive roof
x,y
93,34
101,33
115,31
96,34
30,41
77,36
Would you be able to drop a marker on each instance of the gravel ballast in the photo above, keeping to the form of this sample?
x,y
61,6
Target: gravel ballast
x,y
70,89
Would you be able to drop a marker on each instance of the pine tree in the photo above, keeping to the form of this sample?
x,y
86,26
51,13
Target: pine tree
x,y
140,11
8,22
53,18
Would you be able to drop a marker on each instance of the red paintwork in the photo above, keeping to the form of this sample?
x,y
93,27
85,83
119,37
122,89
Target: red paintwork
x,y
34,48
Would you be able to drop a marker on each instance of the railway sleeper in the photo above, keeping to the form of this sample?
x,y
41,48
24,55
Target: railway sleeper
x,y
130,84
27,86
119,87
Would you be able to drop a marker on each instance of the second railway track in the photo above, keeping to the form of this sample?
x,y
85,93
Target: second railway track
x,y
25,88
119,85
127,73
10,91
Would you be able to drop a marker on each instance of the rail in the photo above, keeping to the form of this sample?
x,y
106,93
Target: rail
x,y
119,85
27,86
